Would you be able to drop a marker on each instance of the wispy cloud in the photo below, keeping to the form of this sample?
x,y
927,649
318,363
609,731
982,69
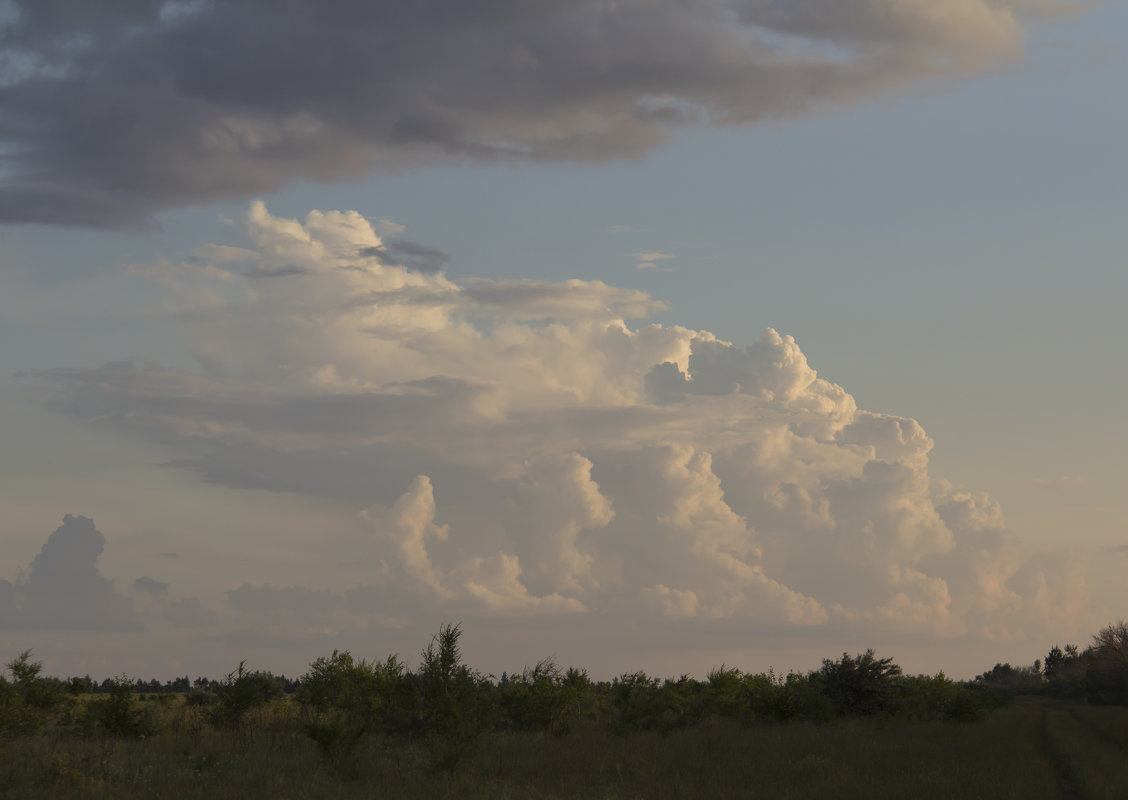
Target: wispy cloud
x,y
412,255
649,260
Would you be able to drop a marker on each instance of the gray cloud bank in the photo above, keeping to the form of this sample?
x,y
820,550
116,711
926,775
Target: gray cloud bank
x,y
516,449
64,590
111,110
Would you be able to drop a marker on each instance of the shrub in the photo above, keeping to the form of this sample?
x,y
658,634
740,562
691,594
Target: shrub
x,y
543,697
1015,680
451,697
348,698
27,701
726,693
939,697
642,702
119,714
864,685
239,692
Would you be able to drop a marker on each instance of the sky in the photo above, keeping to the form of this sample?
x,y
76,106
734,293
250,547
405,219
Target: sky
x,y
648,334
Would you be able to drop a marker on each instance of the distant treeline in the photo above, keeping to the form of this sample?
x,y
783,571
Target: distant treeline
x,y
87,685
1098,674
342,699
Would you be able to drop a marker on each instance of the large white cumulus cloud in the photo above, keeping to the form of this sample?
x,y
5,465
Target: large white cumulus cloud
x,y
527,448
113,109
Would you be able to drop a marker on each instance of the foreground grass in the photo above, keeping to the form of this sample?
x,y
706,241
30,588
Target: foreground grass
x,y
1035,749
1090,745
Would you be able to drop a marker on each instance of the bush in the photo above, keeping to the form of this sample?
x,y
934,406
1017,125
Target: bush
x,y
199,698
726,694
543,697
642,702
345,698
451,693
239,692
27,701
864,685
1014,680
119,714
939,697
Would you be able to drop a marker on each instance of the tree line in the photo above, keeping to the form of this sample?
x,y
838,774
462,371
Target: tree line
x,y
1098,674
343,699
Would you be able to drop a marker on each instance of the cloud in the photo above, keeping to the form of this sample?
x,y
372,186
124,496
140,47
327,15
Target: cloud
x,y
112,111
149,586
64,589
647,260
412,255
516,449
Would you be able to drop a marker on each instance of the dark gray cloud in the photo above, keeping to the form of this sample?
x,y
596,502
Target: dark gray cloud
x,y
412,255
281,272
112,110
151,586
64,589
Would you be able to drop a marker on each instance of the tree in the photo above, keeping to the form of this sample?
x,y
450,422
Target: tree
x,y
863,685
1055,659
119,714
240,691
450,690
1107,678
372,694
543,697
1111,643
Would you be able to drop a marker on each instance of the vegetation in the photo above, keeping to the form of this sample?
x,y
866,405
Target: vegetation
x,y
350,727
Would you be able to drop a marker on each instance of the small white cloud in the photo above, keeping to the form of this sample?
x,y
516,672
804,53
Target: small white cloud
x,y
386,228
649,259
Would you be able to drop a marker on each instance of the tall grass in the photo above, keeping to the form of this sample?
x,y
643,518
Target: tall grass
x,y
270,756
1089,745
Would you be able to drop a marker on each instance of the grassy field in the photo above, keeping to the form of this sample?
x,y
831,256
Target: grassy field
x,y
1036,748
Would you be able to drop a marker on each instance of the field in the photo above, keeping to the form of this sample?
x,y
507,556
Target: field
x,y
1035,748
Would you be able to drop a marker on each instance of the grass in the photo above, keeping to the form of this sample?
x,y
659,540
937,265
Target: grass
x,y
1035,749
1089,745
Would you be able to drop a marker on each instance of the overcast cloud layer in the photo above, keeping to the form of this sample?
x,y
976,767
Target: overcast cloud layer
x,y
111,110
521,448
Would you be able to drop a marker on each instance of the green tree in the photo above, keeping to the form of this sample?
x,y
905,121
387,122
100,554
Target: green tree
x,y
862,685
119,714
241,691
450,691
28,700
543,697
348,697
1106,680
